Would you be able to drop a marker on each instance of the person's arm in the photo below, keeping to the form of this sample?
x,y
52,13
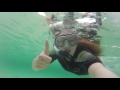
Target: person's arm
x,y
97,70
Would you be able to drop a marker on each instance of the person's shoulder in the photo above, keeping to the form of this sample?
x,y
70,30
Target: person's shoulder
x,y
84,56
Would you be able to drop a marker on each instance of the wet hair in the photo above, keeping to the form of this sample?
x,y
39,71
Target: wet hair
x,y
91,46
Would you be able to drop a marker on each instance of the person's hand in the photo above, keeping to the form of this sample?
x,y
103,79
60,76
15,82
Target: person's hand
x,y
43,60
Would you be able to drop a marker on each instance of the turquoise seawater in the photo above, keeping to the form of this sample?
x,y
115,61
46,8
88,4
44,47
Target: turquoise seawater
x,y
22,38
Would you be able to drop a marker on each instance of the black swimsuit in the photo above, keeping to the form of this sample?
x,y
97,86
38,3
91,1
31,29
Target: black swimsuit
x,y
79,68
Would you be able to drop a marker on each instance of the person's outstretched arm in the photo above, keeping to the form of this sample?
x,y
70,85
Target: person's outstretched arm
x,y
97,70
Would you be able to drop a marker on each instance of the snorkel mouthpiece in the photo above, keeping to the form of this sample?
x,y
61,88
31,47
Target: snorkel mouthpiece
x,y
66,55
63,53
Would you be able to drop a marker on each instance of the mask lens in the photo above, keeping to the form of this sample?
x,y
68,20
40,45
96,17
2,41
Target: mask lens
x,y
61,40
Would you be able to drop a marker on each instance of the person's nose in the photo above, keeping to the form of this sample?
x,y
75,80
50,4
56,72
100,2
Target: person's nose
x,y
66,44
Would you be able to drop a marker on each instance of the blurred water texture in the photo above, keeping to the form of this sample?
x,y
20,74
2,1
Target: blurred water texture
x,y
22,38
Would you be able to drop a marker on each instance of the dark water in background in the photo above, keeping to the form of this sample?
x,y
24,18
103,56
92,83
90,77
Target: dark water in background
x,y
22,38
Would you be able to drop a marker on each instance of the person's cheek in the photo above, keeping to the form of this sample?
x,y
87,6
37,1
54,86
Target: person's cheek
x,y
73,49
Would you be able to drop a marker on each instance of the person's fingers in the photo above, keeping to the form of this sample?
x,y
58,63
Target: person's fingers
x,y
44,58
42,66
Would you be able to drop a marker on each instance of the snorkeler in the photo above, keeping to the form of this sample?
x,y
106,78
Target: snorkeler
x,y
75,54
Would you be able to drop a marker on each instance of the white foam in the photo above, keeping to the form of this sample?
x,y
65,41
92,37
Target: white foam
x,y
42,13
86,20
115,47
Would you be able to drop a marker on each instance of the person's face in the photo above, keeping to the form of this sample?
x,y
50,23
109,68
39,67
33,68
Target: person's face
x,y
70,49
67,41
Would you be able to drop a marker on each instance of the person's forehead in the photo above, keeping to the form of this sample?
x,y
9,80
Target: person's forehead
x,y
67,31
64,31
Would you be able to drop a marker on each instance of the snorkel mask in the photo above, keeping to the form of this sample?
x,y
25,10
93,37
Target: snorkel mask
x,y
66,41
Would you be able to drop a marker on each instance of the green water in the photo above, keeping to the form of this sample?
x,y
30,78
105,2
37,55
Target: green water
x,y
22,38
